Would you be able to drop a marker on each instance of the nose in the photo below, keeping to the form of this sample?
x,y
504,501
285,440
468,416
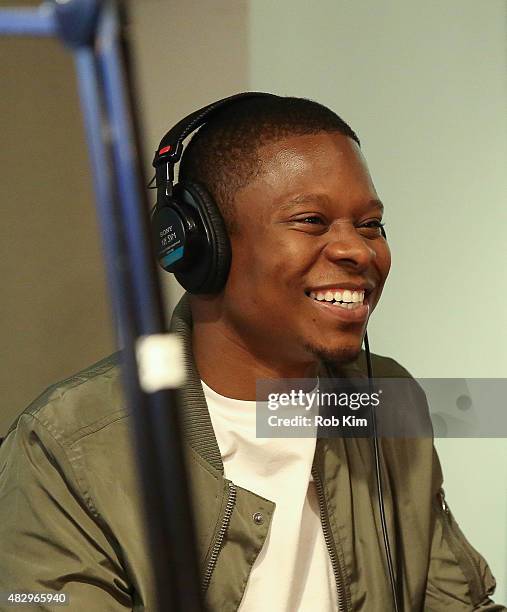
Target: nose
x,y
346,246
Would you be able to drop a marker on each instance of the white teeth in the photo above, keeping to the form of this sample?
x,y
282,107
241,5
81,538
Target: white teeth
x,y
348,297
347,305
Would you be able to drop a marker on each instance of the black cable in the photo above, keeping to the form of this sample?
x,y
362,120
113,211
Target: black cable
x,y
378,473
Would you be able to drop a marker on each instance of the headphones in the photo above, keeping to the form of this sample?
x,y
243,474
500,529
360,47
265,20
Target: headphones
x,y
188,229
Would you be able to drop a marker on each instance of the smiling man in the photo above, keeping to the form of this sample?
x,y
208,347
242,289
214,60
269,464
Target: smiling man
x,y
283,524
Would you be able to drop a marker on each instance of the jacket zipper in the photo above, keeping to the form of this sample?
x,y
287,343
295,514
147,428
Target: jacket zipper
x,y
215,551
338,575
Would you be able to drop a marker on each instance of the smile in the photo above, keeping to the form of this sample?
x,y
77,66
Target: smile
x,y
343,298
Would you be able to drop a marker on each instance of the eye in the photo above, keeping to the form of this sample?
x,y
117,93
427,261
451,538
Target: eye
x,y
312,220
374,223
372,228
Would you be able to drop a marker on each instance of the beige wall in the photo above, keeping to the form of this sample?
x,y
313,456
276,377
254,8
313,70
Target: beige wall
x,y
54,313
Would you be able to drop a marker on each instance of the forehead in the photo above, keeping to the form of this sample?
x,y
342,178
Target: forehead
x,y
327,163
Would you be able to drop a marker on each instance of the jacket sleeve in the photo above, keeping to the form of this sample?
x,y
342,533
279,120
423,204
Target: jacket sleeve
x,y
459,578
51,539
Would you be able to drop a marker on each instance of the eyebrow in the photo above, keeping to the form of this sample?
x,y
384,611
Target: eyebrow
x,y
323,199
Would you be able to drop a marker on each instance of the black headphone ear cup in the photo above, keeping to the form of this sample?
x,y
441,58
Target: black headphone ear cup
x,y
217,244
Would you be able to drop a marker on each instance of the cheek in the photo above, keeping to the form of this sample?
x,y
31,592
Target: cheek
x,y
267,256
383,265
250,274
383,260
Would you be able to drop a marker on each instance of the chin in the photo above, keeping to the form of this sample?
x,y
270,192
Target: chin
x,y
342,354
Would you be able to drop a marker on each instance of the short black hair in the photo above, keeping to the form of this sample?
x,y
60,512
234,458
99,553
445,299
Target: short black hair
x,y
222,154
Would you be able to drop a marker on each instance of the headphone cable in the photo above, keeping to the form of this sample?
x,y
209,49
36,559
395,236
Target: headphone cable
x,y
378,473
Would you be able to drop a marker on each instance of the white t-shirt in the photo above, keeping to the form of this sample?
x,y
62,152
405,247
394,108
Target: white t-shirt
x,y
293,571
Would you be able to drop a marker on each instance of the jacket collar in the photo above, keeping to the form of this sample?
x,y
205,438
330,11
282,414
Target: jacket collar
x,y
195,418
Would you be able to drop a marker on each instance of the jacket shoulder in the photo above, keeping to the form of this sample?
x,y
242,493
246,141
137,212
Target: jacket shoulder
x,y
382,366
387,367
91,398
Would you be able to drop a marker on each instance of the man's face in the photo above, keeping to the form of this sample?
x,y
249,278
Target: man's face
x,y
308,231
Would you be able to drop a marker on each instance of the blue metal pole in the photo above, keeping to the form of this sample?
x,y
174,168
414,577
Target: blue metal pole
x,y
28,22
103,177
131,193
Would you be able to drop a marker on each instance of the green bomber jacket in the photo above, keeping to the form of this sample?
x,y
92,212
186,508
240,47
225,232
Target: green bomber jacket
x,y
71,519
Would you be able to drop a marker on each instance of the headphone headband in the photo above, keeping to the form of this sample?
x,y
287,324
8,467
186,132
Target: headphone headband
x,y
169,150
171,146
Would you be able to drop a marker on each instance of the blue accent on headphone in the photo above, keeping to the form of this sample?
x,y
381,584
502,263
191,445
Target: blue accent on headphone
x,y
172,257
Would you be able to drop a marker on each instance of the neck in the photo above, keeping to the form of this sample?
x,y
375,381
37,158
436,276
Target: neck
x,y
231,367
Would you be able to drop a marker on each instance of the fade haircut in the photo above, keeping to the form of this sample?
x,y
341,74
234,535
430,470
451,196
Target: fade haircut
x,y
223,154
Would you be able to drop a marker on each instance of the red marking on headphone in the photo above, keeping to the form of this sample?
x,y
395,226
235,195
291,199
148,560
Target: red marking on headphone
x,y
164,150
